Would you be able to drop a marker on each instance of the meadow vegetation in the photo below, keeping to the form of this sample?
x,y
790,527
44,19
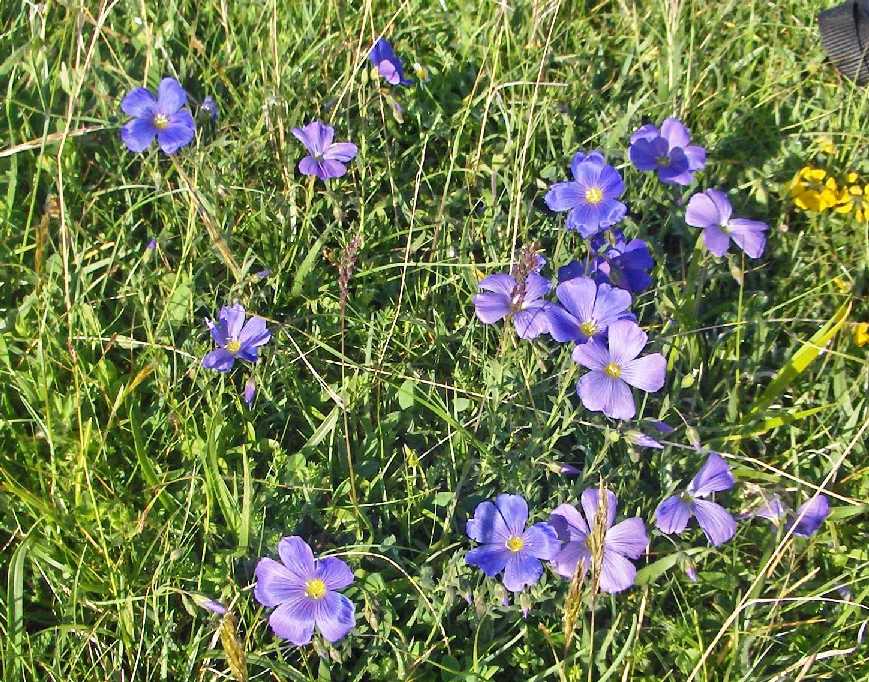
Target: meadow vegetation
x,y
135,483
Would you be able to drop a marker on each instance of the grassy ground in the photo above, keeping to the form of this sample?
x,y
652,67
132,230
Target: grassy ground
x,y
131,477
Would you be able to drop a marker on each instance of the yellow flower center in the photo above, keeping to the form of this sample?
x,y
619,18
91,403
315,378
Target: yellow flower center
x,y
663,161
515,543
161,121
593,195
588,328
613,370
233,346
315,589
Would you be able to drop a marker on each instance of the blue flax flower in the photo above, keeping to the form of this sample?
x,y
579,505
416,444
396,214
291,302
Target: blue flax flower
x,y
326,159
667,151
506,545
208,603
164,117
712,211
235,338
626,264
304,591
387,63
615,367
810,515
575,268
502,296
588,309
621,542
591,198
807,519
642,440
673,514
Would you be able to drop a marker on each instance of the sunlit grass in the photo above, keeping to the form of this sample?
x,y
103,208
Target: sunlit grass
x,y
131,477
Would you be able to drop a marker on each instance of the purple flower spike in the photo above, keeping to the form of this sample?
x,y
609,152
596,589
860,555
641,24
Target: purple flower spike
x,y
164,117
673,514
506,545
627,265
712,211
667,151
588,309
502,296
387,63
813,514
623,541
304,590
591,198
614,369
235,338
325,158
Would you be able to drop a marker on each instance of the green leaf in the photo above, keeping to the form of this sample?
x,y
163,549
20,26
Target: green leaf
x,y
406,394
444,498
754,428
800,360
648,574
180,298
307,264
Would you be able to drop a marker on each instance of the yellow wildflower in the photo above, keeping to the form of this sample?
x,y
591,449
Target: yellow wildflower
x,y
825,144
843,286
813,190
854,198
861,334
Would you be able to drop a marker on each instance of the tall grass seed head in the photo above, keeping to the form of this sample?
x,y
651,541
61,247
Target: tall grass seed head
x,y
592,542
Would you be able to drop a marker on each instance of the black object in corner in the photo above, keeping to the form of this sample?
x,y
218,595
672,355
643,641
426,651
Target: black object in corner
x,y
845,37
